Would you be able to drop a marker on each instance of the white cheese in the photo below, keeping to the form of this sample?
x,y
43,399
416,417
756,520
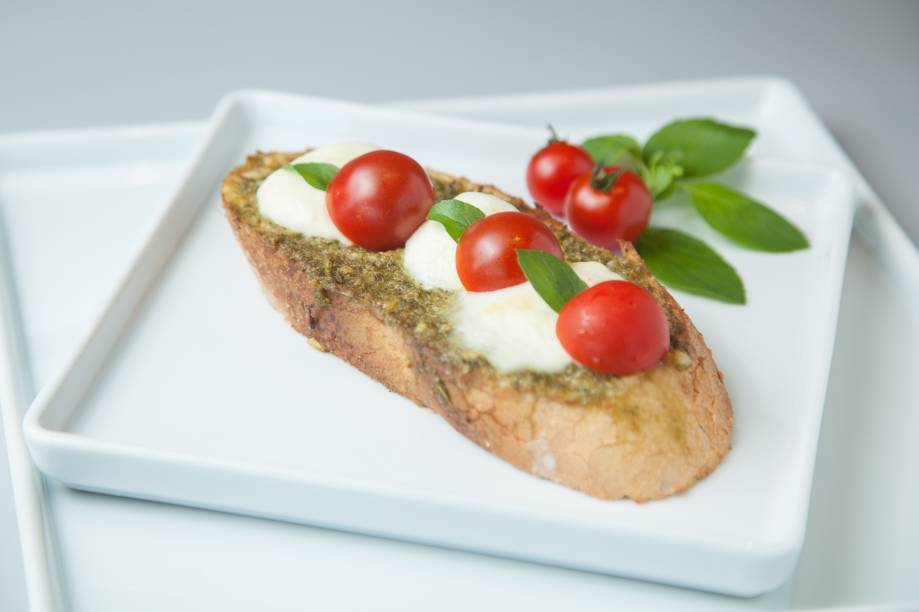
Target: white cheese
x,y
513,327
430,253
288,200
486,202
594,273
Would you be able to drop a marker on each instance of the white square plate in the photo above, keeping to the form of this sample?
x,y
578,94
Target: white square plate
x,y
169,398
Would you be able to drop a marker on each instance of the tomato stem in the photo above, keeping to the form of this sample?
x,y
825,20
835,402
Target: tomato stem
x,y
601,179
553,135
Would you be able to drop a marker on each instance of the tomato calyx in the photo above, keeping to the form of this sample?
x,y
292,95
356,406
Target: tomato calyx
x,y
607,206
604,177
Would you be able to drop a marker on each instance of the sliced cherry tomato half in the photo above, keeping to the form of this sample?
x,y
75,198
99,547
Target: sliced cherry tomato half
x,y
615,327
608,205
553,169
486,257
379,199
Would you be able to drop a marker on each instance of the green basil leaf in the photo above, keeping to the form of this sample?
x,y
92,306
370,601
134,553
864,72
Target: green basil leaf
x,y
688,264
552,278
317,175
700,146
455,216
744,220
611,148
660,175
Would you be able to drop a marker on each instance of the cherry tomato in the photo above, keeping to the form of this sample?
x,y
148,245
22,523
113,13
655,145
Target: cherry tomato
x,y
615,327
379,199
552,170
608,205
486,257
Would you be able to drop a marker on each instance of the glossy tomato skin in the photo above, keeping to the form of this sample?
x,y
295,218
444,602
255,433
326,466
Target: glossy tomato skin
x,y
604,218
552,170
486,257
615,327
379,199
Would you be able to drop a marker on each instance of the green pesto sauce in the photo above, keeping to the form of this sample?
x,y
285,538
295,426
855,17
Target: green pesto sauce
x,y
379,279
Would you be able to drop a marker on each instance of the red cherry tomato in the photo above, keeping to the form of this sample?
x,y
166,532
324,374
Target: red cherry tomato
x,y
379,199
552,170
604,214
486,257
615,327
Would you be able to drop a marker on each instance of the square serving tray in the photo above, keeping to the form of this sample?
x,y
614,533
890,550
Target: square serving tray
x,y
120,553
165,402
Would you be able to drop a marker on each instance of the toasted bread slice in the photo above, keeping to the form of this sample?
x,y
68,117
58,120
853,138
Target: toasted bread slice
x,y
642,437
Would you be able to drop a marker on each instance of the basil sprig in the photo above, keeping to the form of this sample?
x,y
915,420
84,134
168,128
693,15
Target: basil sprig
x,y
455,215
317,175
700,146
552,278
670,160
613,149
686,263
744,220
660,175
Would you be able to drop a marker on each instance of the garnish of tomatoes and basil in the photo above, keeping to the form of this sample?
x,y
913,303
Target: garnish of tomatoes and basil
x,y
606,188
379,199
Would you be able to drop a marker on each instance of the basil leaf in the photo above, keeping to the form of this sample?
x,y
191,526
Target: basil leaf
x,y
700,146
552,278
744,220
317,175
660,175
455,216
610,148
688,264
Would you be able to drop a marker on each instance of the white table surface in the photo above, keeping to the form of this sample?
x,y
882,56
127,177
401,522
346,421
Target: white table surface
x,y
84,64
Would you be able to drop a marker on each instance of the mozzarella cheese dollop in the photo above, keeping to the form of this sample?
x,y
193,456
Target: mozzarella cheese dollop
x,y
288,200
513,327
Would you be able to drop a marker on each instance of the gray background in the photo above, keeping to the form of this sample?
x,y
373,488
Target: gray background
x,y
91,63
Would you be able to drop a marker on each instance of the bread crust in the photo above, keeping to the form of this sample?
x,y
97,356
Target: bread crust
x,y
666,429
